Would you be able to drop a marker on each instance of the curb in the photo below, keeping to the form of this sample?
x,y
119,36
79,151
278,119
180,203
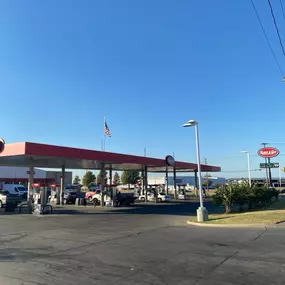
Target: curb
x,y
231,225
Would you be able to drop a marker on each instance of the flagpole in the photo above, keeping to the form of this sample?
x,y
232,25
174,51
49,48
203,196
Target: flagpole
x,y
104,142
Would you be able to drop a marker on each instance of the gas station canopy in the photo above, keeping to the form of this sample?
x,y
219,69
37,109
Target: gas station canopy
x,y
51,156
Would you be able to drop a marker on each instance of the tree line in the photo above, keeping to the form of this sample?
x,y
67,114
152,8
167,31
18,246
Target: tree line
x,y
90,179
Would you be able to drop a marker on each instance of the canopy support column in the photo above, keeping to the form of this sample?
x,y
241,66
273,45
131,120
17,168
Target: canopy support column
x,y
110,176
31,173
142,183
62,182
145,182
196,183
174,182
103,176
112,190
166,180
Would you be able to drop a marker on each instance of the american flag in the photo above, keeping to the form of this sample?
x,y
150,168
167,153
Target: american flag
x,y
107,130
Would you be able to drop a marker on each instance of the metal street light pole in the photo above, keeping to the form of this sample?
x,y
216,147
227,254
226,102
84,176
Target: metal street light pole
x,y
199,165
202,213
248,166
280,176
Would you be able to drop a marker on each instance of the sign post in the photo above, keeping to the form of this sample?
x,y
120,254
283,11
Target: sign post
x,y
267,153
269,165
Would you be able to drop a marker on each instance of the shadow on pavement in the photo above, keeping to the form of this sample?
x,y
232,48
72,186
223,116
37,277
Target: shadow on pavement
x,y
176,208
20,254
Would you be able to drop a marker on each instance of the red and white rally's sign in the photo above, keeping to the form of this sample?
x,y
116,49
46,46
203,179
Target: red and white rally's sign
x,y
268,152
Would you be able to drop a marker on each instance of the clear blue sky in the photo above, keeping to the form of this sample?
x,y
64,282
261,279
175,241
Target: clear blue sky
x,y
149,66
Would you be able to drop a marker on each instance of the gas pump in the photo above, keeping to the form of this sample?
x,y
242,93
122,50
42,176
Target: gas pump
x,y
112,192
39,197
182,192
55,194
110,195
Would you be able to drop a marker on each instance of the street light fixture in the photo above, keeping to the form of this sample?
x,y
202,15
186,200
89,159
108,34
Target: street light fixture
x,y
248,166
202,213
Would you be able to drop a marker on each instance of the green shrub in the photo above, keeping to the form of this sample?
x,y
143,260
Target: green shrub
x,y
227,195
241,193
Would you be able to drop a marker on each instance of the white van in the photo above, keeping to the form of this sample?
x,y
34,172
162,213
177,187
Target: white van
x,y
15,189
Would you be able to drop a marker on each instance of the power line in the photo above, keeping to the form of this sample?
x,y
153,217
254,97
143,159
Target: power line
x,y
267,39
282,8
234,171
276,27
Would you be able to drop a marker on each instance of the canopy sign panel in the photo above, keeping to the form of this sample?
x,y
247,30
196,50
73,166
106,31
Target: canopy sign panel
x,y
51,156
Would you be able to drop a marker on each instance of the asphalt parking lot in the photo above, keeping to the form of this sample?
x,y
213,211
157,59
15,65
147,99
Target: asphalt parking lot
x,y
142,245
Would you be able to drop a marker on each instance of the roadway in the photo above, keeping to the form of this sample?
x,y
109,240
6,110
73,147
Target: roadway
x,y
144,245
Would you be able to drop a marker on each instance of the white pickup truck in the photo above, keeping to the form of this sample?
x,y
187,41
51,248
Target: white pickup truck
x,y
161,197
6,197
122,198
96,198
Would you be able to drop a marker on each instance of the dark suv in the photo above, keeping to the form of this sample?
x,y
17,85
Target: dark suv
x,y
69,197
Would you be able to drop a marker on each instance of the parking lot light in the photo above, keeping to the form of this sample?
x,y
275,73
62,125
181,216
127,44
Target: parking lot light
x,y
202,213
248,166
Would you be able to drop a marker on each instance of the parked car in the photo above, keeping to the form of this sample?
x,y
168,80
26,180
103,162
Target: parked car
x,y
161,197
122,198
96,198
282,191
89,195
182,197
69,197
6,197
15,189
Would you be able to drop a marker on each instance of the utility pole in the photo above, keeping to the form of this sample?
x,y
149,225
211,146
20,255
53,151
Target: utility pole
x,y
280,176
205,161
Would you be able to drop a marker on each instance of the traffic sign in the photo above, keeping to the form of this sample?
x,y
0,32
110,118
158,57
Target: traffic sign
x,y
270,165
